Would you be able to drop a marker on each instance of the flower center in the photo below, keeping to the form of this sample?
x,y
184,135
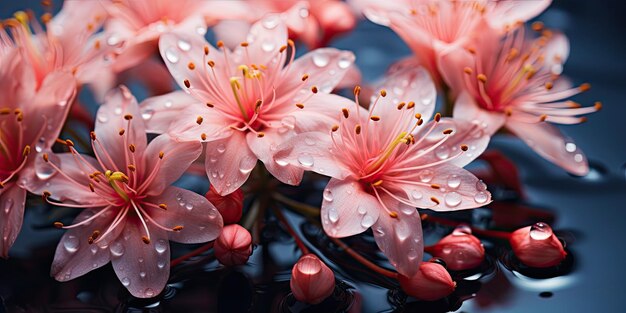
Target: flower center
x,y
113,179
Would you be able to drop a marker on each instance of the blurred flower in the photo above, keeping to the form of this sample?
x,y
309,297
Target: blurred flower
x,y
246,102
32,114
431,27
233,246
131,211
514,81
460,250
311,280
230,206
432,282
537,246
385,162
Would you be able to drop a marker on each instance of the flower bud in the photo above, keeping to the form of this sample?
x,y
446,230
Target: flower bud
x,y
460,250
311,280
431,282
233,246
230,206
537,246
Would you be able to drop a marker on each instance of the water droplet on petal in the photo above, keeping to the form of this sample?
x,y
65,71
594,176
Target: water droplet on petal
x,y
282,162
94,249
320,59
304,12
271,22
412,255
416,194
160,264
540,231
289,121
344,61
306,160
481,186
221,148
40,145
309,141
71,244
268,46
367,221
147,114
426,176
160,246
171,55
333,215
117,249
102,118
328,195
189,206
454,181
442,152
184,45
142,274
362,210
246,165
125,281
402,232
481,197
452,199
149,292
201,30
408,210
113,40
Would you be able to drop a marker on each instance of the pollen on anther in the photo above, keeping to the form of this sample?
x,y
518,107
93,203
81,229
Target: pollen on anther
x,y
435,186
418,116
210,105
161,154
393,214
549,85
378,183
482,78
435,200
537,26
314,89
464,147
45,195
345,112
282,49
357,129
597,105
244,44
163,206
300,105
177,228
92,188
375,118
334,128
305,77
26,150
132,148
203,136
45,157
410,105
584,87
121,132
401,105
131,167
357,90
128,117
260,134
191,66
211,63
58,224
145,240
92,135
383,93
69,143
468,71
220,44
187,83
199,120
448,131
437,117
543,117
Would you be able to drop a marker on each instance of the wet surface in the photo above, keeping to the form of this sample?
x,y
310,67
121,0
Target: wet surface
x,y
587,213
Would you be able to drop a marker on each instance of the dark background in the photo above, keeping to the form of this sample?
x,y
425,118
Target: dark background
x,y
593,208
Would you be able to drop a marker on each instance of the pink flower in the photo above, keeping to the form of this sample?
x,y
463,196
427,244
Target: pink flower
x,y
431,27
537,246
230,206
70,43
131,211
432,282
140,23
515,82
246,102
234,245
385,162
311,280
31,117
460,250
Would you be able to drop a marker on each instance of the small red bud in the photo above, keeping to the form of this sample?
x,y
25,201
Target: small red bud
x,y
460,250
229,206
311,280
431,282
233,246
537,246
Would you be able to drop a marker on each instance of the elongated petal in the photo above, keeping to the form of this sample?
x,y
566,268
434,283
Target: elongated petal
x,y
264,39
111,119
548,142
264,148
177,156
320,112
12,199
142,268
74,255
229,162
466,108
347,209
451,64
510,12
400,238
313,151
557,48
200,220
194,121
440,188
158,112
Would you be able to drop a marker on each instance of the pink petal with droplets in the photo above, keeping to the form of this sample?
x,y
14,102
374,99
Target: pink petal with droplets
x,y
12,199
157,111
347,209
225,159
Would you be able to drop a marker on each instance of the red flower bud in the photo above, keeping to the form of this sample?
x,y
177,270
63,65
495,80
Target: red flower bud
x,y
230,206
431,282
460,250
537,246
311,280
233,246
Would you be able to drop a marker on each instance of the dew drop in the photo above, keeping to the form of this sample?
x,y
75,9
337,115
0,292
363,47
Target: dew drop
x,y
442,152
161,264
362,210
481,197
117,110
333,215
282,162
454,181
452,199
125,281
367,221
184,45
481,186
147,114
168,104
268,46
305,160
39,146
578,157
380,231
189,206
221,148
71,244
113,40
344,62
540,231
402,232
407,210
320,59
412,255
171,55
117,249
102,118
201,30
289,121
271,22
426,176
309,141
142,274
160,246
416,194
44,170
328,195
246,165
304,12
94,249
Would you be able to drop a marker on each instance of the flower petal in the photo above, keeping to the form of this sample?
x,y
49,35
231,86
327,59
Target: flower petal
x,y
400,238
510,12
466,108
265,147
451,63
347,209
229,162
74,255
312,151
158,111
548,142
200,219
142,268
110,120
440,188
264,39
198,123
321,111
12,199
177,156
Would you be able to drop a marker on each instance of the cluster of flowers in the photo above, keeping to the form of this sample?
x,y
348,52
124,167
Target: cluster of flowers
x,y
248,100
